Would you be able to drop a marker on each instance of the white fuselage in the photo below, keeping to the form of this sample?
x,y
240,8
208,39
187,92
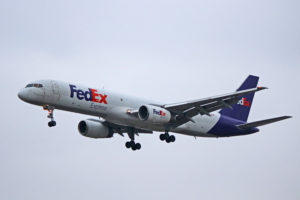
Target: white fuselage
x,y
113,107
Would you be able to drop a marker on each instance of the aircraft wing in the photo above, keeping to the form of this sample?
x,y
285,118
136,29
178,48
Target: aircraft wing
x,y
186,110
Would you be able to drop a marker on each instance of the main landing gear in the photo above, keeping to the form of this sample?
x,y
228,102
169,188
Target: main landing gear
x,y
50,110
131,144
166,137
134,146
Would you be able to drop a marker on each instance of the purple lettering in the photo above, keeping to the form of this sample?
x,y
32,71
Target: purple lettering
x,y
80,94
90,95
73,90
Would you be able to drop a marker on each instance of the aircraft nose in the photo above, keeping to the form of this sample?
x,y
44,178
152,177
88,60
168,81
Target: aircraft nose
x,y
22,95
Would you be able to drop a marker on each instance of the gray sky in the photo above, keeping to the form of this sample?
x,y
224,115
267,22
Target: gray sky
x,y
164,50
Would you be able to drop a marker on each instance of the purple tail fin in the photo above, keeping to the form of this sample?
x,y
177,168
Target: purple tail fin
x,y
241,110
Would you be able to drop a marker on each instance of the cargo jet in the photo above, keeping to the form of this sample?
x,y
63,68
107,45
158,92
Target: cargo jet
x,y
122,114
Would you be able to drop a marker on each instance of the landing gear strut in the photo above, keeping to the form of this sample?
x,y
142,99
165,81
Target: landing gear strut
x,y
166,137
131,144
50,110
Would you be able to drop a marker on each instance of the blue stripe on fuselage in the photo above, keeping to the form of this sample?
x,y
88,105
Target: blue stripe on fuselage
x,y
226,126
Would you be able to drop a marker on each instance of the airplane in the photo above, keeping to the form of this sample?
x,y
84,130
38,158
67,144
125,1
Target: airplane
x,y
123,114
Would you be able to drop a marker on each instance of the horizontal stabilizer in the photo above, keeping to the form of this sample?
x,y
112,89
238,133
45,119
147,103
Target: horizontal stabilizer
x,y
262,122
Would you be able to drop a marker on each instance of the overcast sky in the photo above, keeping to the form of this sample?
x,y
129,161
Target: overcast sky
x,y
163,50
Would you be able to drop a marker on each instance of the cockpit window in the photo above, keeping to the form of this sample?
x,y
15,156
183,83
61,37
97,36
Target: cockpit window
x,y
36,85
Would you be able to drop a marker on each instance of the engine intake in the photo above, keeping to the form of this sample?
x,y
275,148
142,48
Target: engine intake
x,y
94,129
154,114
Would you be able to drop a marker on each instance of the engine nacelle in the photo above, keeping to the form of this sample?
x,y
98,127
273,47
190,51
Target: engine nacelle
x,y
154,114
94,129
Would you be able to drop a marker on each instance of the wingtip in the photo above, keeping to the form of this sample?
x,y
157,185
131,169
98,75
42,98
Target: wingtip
x,y
262,88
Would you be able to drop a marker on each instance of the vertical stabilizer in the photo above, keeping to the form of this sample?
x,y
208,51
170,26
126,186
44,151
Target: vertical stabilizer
x,y
241,110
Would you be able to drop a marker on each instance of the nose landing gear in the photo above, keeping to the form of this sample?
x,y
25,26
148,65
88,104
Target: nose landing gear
x,y
50,110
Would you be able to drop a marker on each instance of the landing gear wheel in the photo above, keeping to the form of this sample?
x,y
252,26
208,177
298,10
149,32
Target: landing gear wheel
x,y
132,143
162,137
133,148
167,135
52,123
138,146
168,140
172,138
128,145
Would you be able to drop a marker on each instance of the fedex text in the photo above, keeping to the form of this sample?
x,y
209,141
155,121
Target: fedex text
x,y
159,112
244,102
90,95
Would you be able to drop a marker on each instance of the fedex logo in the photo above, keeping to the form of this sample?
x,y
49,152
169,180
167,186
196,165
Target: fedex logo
x,y
90,95
244,102
159,112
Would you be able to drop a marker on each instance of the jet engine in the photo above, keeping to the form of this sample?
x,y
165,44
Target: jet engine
x,y
154,114
94,129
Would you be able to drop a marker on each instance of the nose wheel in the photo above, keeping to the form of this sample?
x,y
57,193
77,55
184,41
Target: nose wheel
x,y
50,110
52,123
166,137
